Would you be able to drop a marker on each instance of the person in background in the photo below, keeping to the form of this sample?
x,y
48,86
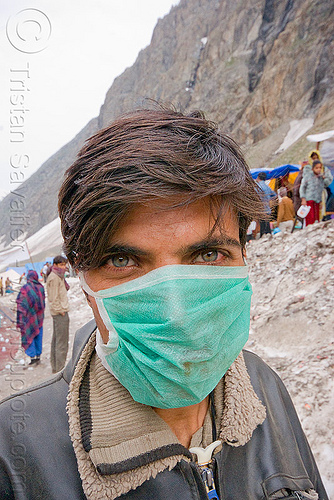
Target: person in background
x,y
286,213
1,286
268,195
313,155
30,315
329,205
251,231
23,279
311,189
284,182
9,287
58,302
296,187
44,272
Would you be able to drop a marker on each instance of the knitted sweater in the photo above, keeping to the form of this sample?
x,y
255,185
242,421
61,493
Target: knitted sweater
x,y
313,185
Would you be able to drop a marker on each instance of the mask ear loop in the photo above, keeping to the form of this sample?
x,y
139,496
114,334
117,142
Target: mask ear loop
x,y
113,335
84,285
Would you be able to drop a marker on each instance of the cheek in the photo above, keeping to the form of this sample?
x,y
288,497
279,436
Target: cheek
x,y
240,261
99,323
93,279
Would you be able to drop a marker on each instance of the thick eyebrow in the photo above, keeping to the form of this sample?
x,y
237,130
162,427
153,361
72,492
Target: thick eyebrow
x,y
205,244
126,250
213,242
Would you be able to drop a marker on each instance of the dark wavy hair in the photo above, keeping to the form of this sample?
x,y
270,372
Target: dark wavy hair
x,y
143,156
59,259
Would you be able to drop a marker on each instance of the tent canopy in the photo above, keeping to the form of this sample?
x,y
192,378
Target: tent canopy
x,y
275,173
37,266
11,274
324,136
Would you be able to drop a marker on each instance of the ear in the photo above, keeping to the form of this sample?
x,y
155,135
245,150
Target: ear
x,y
244,253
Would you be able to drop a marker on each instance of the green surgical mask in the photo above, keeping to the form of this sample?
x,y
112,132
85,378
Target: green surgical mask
x,y
174,332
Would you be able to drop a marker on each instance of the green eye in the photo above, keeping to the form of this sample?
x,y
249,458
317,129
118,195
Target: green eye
x,y
210,256
119,260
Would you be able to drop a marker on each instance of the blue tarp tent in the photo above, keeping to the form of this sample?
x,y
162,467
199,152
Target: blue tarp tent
x,y
331,186
37,266
275,173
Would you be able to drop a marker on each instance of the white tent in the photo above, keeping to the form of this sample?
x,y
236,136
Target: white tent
x,y
11,274
46,238
324,136
325,143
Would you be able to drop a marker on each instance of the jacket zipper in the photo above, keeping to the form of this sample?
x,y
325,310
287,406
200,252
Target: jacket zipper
x,y
207,476
205,466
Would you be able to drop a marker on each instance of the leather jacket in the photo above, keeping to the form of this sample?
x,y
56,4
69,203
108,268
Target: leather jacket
x,y
37,460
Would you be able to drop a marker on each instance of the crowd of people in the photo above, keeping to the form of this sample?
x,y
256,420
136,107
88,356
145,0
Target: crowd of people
x,y
7,287
306,201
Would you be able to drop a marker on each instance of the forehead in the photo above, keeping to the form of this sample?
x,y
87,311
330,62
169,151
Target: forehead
x,y
162,220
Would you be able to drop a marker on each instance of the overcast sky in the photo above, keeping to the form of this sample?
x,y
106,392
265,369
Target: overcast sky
x,y
58,59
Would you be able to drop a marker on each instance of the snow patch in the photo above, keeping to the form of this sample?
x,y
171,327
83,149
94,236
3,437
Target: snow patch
x,y
297,129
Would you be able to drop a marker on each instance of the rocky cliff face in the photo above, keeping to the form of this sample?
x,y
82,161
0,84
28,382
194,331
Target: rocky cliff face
x,y
252,66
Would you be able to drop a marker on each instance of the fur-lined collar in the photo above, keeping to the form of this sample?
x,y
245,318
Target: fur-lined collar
x,y
120,443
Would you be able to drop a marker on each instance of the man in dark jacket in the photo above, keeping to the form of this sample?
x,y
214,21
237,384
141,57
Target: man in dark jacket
x,y
162,403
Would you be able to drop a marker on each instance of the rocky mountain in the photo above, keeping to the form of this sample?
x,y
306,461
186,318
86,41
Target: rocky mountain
x,y
253,66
